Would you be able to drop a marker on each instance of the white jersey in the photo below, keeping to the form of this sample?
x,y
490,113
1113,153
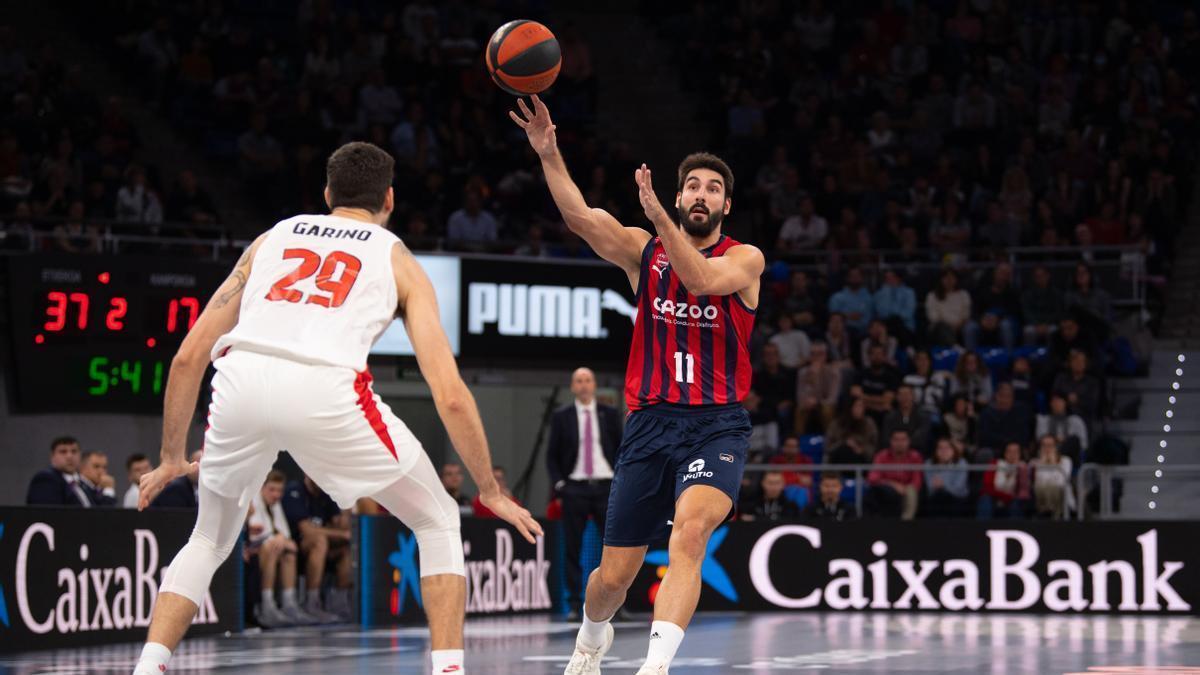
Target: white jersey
x,y
321,291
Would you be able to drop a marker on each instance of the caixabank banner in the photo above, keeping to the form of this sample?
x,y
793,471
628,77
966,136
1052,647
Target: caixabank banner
x,y
73,577
1125,567
505,573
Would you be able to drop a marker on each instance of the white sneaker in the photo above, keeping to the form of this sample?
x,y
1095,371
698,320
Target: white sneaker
x,y
585,660
297,616
652,670
269,616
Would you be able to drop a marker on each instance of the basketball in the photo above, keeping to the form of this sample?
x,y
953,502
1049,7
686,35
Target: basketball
x,y
523,57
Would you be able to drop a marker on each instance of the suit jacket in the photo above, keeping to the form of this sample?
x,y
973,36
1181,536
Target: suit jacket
x,y
563,450
96,494
50,486
178,494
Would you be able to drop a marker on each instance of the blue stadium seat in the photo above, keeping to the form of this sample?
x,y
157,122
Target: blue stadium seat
x,y
1034,354
813,445
945,358
797,495
997,358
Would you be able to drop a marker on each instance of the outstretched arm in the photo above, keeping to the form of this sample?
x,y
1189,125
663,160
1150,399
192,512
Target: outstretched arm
x,y
739,269
619,245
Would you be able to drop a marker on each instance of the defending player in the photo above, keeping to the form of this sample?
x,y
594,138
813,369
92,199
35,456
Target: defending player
x,y
289,332
689,367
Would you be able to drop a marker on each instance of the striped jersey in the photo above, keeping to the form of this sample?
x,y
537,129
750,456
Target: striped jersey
x,y
687,349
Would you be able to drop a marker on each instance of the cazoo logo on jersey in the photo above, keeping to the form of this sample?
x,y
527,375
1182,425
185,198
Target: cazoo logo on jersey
x,y
543,311
683,310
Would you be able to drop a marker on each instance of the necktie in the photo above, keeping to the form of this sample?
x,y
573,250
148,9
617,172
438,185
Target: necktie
x,y
587,443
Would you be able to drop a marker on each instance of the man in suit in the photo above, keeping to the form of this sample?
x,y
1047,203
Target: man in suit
x,y
59,484
181,492
94,476
582,452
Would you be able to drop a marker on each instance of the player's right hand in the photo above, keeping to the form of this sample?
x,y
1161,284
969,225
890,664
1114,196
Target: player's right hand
x,y
515,514
154,482
537,126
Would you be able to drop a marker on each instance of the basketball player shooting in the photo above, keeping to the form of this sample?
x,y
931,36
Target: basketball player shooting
x,y
288,333
689,368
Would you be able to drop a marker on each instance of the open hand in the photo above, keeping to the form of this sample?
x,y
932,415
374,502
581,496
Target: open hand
x,y
515,514
537,126
650,204
153,483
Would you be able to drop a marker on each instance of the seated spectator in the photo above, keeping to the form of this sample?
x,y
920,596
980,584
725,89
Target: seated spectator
x,y
896,303
136,466
95,479
1052,493
271,540
1093,303
997,312
929,388
854,301
789,453
776,383
829,504
1023,382
959,420
1080,388
1069,430
877,334
837,338
947,494
801,302
501,476
1004,421
1006,486
1042,307
183,492
793,343
818,386
948,308
907,416
1072,337
452,480
323,532
951,231
803,231
853,436
876,384
59,485
772,505
764,427
895,492
472,224
972,379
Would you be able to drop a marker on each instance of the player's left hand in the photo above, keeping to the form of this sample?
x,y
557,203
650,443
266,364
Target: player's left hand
x,y
650,204
154,482
515,514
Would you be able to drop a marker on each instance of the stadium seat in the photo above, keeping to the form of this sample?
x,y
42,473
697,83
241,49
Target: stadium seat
x,y
813,445
945,358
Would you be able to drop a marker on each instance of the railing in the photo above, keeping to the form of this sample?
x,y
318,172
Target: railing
x,y
1104,475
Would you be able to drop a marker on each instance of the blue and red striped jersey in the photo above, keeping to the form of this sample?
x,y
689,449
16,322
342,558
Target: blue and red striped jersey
x,y
687,349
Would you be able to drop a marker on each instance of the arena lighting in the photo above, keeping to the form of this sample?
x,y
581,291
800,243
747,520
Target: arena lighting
x,y
1162,443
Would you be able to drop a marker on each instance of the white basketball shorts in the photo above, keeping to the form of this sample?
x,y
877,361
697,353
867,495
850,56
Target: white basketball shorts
x,y
327,417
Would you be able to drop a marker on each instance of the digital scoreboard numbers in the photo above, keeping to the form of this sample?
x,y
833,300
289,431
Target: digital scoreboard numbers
x,y
98,334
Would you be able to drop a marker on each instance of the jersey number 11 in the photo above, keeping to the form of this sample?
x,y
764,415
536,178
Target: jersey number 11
x,y
681,374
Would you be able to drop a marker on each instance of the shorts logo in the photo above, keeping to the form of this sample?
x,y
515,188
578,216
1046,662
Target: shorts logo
x,y
726,457
696,470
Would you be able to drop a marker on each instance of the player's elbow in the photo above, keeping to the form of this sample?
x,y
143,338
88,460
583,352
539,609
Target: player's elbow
x,y
189,357
453,400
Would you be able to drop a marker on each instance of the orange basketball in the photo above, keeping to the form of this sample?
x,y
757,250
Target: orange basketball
x,y
523,57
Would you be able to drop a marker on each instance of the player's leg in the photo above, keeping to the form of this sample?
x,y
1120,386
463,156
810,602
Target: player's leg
x,y
315,547
218,524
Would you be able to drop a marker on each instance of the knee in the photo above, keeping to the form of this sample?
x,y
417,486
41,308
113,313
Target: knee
x,y
317,544
614,579
689,540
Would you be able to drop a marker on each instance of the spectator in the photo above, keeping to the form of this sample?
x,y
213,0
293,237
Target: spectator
x,y
802,303
1042,307
776,384
501,477
260,153
271,539
183,492
95,479
818,386
323,532
1006,486
1004,421
772,505
929,388
452,480
947,493
804,231
1052,480
1085,297
948,308
136,466
896,303
951,231
853,302
998,312
877,334
895,492
853,436
764,423
829,504
907,416
1068,429
960,421
1025,388
972,379
789,453
189,202
133,197
59,485
1071,337
793,344
1080,388
876,384
837,338
472,224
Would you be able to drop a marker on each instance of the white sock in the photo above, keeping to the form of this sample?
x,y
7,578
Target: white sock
x,y
447,661
592,633
268,597
153,660
664,642
289,597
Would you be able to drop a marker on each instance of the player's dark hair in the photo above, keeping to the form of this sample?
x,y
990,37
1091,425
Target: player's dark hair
x,y
706,160
62,440
358,175
134,458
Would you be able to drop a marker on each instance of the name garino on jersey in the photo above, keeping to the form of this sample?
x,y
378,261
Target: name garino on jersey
x,y
330,232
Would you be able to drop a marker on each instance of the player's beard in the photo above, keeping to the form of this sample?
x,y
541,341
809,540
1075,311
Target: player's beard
x,y
699,229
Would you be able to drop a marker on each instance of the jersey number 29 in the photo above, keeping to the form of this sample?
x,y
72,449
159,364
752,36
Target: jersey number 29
x,y
339,263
